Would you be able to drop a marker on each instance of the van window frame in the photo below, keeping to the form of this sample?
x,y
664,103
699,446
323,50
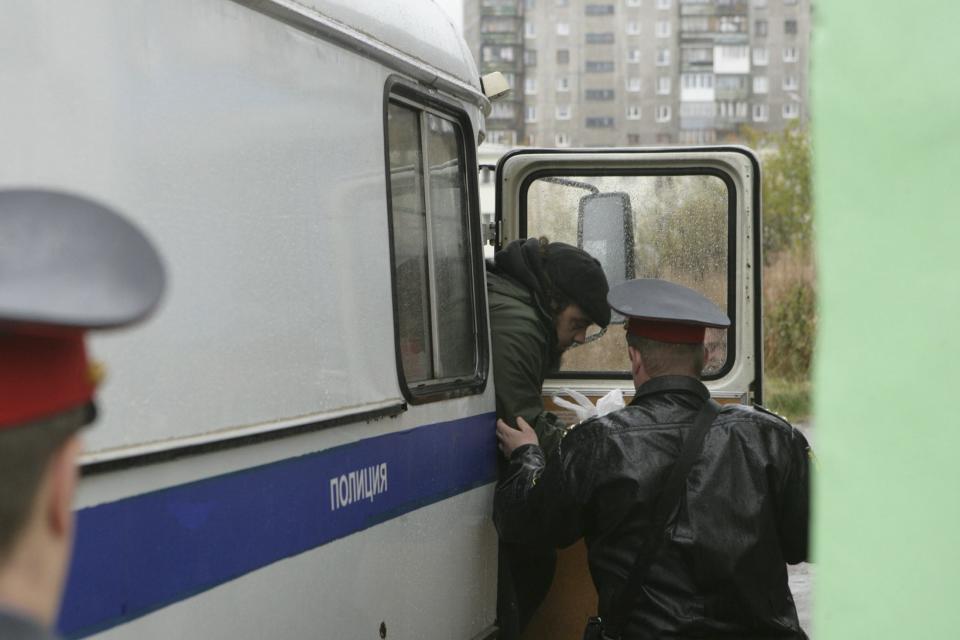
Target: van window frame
x,y
400,91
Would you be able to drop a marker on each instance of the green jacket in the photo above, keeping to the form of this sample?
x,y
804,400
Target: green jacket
x,y
523,337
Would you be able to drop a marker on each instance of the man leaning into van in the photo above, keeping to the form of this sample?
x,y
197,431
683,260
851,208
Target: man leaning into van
x,y
75,266
543,296
690,510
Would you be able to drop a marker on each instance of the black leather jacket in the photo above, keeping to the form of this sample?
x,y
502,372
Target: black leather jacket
x,y
745,512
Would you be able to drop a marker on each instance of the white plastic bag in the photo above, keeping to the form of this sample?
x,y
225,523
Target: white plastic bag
x,y
585,409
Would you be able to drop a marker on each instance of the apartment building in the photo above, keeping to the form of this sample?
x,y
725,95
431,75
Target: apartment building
x,y
642,72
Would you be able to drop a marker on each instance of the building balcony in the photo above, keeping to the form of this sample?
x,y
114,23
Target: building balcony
x,y
731,94
501,11
714,35
711,8
501,37
694,124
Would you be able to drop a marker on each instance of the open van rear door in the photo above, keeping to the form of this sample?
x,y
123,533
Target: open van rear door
x,y
688,215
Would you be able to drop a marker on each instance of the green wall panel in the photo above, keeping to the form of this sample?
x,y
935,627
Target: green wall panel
x,y
886,124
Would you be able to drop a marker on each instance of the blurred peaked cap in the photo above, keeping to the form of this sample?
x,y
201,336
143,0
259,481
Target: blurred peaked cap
x,y
67,265
665,311
68,262
580,277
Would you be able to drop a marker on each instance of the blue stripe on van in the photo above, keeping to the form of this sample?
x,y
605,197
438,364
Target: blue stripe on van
x,y
139,554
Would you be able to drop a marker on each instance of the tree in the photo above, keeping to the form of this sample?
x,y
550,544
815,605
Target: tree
x,y
787,190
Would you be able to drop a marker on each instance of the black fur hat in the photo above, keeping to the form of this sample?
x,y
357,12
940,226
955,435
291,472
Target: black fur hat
x,y
578,276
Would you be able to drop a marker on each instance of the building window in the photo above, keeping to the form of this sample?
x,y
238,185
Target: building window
x,y
731,59
438,317
604,122
698,136
563,112
506,54
696,80
634,56
502,111
733,24
529,5
633,112
530,57
508,138
530,86
563,83
530,114
663,4
663,113
790,27
760,84
697,55
694,24
791,54
761,112
605,37
761,56
634,85
562,3
561,140
664,138
663,85
529,30
511,79
599,9
563,28
791,111
599,94
759,4
790,83
633,28
733,110
698,109
563,56
731,83
491,24
633,139
663,57
599,66
760,28
634,3
663,29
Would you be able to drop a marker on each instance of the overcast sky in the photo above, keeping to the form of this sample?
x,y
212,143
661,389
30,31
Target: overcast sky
x,y
454,9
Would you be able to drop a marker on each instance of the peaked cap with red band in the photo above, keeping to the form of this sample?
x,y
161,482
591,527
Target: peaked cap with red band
x,y
67,265
664,311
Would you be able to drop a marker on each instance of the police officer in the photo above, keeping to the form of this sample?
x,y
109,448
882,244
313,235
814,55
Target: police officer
x,y
711,561
67,265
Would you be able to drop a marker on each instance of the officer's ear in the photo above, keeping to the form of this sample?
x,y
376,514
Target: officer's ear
x,y
637,369
62,479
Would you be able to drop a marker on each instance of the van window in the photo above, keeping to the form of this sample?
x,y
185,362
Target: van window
x,y
436,292
676,227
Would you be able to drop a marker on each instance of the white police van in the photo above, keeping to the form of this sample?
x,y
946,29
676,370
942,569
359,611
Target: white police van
x,y
300,443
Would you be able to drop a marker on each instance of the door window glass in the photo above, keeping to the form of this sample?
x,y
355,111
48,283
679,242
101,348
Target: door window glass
x,y
674,227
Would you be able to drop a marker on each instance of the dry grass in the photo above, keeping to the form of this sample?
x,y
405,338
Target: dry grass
x,y
789,331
